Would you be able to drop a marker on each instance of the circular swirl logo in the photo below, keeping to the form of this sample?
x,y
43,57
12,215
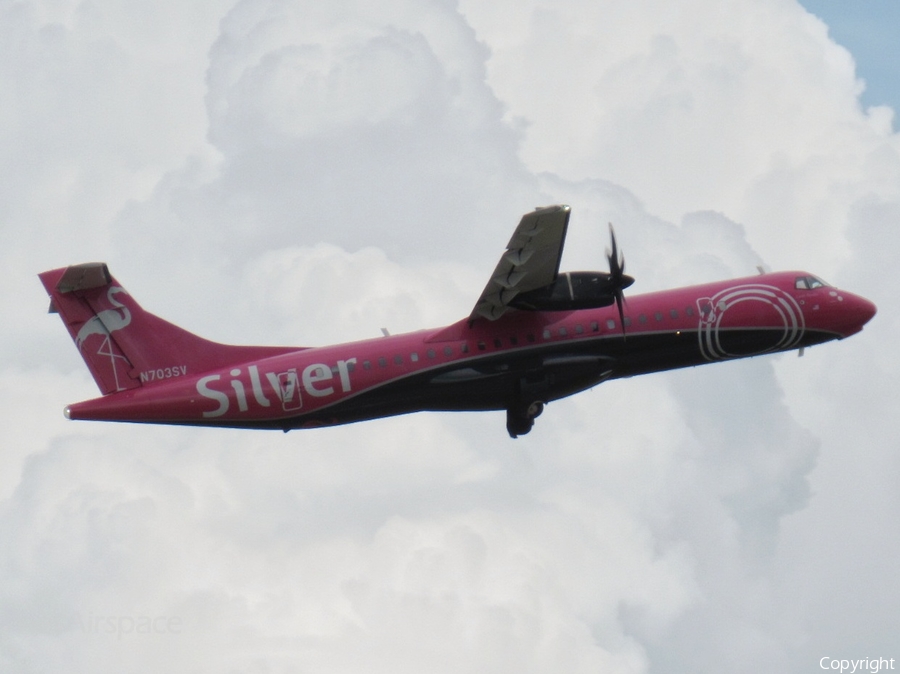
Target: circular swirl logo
x,y
748,320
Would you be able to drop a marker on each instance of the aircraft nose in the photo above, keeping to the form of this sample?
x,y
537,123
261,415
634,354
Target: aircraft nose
x,y
866,310
858,311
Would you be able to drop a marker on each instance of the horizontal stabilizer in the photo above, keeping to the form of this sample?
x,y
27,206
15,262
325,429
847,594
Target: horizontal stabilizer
x,y
83,277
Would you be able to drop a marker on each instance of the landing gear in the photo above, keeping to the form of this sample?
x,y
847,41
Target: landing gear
x,y
520,418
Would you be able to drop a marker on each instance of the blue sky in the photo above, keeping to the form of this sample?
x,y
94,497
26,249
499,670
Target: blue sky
x,y
868,30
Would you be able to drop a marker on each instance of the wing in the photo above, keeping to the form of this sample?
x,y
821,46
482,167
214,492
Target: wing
x,y
531,260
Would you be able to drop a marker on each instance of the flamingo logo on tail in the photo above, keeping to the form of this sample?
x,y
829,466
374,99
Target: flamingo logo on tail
x,y
104,323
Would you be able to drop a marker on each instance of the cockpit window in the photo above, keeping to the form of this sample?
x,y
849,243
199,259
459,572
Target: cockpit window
x,y
809,283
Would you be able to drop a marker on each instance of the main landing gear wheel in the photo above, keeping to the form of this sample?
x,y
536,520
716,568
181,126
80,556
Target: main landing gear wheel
x,y
520,419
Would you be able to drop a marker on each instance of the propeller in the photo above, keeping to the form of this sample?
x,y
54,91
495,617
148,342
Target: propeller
x,y
618,281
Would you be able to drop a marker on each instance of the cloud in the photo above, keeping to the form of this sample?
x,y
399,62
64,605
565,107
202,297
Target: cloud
x,y
99,114
295,172
751,111
379,117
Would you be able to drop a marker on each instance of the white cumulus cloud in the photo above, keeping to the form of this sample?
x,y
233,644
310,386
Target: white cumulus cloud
x,y
286,171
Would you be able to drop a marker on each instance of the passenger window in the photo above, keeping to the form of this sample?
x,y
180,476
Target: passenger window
x,y
382,362
398,359
531,337
464,348
673,313
563,332
414,357
579,330
367,365
595,326
546,334
627,321
689,311
448,351
481,346
642,319
430,353
513,340
658,316
497,342
611,324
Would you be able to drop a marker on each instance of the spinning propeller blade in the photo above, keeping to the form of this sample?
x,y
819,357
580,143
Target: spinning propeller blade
x,y
617,278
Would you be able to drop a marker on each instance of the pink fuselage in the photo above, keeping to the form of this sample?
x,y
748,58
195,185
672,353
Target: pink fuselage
x,y
493,365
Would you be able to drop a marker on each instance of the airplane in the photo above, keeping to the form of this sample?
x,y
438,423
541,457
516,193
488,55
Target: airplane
x,y
534,336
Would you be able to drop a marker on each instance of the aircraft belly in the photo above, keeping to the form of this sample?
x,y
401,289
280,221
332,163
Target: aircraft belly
x,y
490,383
659,352
496,381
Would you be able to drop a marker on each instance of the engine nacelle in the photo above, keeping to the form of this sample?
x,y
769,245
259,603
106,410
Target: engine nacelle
x,y
572,291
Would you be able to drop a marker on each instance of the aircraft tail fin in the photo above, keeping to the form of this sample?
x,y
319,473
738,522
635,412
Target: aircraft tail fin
x,y
125,347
